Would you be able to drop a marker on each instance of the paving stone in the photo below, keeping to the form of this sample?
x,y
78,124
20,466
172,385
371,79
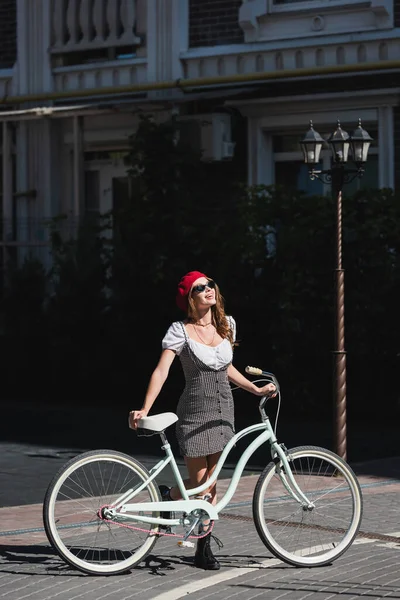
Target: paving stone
x,y
30,569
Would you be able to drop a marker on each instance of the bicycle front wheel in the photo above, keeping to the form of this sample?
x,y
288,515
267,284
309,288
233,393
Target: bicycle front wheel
x,y
308,535
73,517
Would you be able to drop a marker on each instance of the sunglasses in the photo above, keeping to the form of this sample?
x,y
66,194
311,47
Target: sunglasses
x,y
198,289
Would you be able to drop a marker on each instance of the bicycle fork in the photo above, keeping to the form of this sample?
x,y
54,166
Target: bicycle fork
x,y
282,457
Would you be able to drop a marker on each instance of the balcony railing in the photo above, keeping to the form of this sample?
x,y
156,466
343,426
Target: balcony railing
x,y
80,25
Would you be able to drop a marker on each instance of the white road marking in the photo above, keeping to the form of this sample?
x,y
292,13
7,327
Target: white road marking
x,y
221,576
394,545
195,586
377,539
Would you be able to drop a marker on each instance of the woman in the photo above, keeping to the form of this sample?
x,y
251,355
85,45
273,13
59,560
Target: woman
x,y
204,343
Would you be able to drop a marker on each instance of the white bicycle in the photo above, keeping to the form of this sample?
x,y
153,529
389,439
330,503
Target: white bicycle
x,y
103,510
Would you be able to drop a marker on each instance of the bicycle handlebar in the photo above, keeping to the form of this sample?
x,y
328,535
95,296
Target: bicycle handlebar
x,y
270,377
257,371
253,371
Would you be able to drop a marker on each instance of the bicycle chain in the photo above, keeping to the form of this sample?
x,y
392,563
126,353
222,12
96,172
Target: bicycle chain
x,y
177,535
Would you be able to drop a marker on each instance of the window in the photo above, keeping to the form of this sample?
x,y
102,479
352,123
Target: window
x,y
292,6
294,174
307,4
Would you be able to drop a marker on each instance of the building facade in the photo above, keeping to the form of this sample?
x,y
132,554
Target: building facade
x,y
75,75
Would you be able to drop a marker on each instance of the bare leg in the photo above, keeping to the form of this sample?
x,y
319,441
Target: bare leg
x,y
212,461
198,474
199,469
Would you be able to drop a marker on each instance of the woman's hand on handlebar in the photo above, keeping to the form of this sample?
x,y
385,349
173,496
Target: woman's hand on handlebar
x,y
135,416
267,390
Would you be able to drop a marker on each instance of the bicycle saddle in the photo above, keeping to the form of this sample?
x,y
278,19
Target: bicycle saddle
x,y
157,423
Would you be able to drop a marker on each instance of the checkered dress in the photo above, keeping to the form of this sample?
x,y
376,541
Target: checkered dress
x,y
205,408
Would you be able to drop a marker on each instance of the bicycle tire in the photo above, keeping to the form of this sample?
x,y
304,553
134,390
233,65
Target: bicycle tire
x,y
72,520
280,520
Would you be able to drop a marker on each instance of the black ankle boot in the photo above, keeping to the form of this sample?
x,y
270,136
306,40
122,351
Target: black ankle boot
x,y
204,558
165,495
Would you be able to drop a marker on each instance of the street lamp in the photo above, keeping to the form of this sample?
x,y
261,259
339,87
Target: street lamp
x,y
341,144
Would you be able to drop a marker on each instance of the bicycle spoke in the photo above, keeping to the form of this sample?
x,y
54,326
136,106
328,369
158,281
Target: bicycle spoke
x,y
76,525
315,533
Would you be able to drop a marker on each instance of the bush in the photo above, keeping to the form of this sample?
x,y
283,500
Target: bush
x,y
98,317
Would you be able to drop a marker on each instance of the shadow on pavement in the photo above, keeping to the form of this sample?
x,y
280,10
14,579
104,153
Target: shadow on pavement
x,y
342,588
16,559
388,467
106,427
44,560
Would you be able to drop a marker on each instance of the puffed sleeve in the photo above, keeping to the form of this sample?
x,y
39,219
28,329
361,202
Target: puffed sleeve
x,y
174,339
232,324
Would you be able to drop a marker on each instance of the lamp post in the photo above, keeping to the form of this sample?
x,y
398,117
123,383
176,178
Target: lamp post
x,y
341,144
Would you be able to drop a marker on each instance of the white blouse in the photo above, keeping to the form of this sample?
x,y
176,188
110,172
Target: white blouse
x,y
214,357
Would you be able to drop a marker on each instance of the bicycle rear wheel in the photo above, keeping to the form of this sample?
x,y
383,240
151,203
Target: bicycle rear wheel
x,y
73,520
306,536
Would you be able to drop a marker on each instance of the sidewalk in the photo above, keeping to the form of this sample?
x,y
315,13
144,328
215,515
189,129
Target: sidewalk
x,y
30,569
26,470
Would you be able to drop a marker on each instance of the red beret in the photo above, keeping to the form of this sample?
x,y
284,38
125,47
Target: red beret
x,y
184,287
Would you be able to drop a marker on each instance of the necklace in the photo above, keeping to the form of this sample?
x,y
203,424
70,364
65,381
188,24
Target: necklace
x,y
198,324
201,339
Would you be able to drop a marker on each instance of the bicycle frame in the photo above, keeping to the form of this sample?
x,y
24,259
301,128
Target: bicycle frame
x,y
187,505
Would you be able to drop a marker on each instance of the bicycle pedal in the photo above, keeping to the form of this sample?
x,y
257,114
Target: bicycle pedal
x,y
185,544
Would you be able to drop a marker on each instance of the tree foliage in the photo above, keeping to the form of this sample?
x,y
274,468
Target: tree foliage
x,y
102,310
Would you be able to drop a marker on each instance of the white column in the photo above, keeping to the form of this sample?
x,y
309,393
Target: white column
x,y
7,191
252,126
386,147
261,170
167,37
180,37
151,40
34,41
78,160
265,154
34,148
22,182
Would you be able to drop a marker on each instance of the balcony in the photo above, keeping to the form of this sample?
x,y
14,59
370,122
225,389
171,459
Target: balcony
x,y
276,57
98,43
293,19
84,25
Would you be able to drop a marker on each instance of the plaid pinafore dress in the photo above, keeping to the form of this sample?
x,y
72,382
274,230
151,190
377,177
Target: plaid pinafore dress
x,y
205,408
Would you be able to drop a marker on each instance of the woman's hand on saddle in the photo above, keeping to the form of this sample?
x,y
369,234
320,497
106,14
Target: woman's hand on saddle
x,y
135,416
267,390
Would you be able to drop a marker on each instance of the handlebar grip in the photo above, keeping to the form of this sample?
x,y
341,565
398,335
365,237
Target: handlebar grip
x,y
253,371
